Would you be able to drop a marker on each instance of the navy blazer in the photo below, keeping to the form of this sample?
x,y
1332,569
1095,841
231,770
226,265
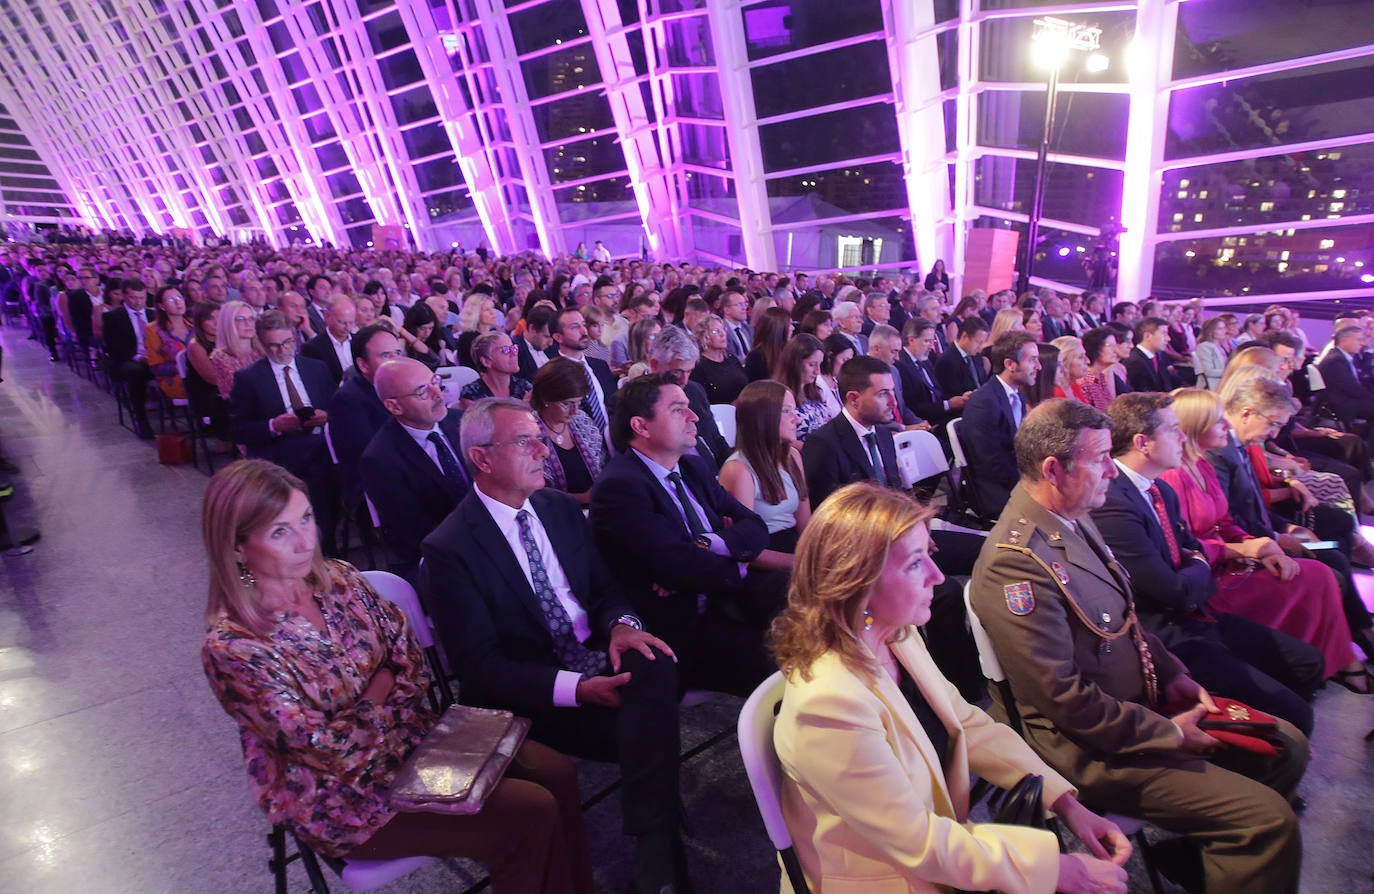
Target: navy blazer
x,y
1345,394
922,390
905,415
322,349
526,355
356,414
411,495
1143,376
988,436
953,373
1232,465
833,456
640,528
255,399
118,331
486,613
1129,525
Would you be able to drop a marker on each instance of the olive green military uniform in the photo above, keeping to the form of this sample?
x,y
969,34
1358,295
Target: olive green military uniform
x,y
1084,676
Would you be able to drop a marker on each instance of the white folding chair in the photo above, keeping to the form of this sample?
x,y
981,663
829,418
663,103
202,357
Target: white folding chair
x,y
396,589
919,457
724,414
357,875
756,721
1130,826
952,429
454,380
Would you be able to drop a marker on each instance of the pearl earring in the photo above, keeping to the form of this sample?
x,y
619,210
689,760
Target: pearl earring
x,y
868,619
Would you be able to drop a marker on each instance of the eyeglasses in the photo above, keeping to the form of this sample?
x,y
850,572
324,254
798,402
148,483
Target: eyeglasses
x,y
279,345
509,349
569,406
522,444
435,383
243,319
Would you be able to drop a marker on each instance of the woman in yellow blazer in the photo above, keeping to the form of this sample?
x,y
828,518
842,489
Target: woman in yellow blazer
x,y
877,746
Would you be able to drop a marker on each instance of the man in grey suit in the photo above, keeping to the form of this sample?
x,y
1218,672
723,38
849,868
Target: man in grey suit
x,y
739,335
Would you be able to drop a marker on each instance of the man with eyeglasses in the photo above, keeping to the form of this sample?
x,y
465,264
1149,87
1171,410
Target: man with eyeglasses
x,y
276,412
331,347
356,413
412,471
534,623
734,310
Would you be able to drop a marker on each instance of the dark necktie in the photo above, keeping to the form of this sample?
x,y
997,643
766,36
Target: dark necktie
x,y
1157,499
973,369
573,654
1018,410
743,345
590,402
874,457
292,395
693,520
453,470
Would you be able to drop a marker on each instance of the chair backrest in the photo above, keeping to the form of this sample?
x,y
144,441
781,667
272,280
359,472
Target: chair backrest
x,y
329,442
724,414
181,360
992,668
1315,382
756,721
396,589
952,429
919,456
455,379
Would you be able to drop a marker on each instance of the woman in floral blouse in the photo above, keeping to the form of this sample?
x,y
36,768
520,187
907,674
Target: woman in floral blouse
x,y
328,687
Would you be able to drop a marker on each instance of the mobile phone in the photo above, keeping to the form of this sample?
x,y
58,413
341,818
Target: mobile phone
x,y
305,414
1322,544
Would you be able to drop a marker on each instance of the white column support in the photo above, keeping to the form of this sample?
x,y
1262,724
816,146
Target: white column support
x,y
1149,71
742,131
914,62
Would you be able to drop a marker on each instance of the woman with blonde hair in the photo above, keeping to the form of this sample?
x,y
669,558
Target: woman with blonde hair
x,y
1073,365
236,344
328,687
1209,356
1255,578
1008,319
877,746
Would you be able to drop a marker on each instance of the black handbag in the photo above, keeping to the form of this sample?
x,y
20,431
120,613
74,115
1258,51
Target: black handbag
x,y
1021,805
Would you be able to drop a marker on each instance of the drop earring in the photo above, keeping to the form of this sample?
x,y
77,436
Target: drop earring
x,y
246,578
868,619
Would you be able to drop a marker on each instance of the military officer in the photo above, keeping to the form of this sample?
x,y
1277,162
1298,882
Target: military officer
x,y
1103,701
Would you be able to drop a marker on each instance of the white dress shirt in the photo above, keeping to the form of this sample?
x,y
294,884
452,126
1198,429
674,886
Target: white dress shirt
x,y
139,320
421,436
343,350
565,683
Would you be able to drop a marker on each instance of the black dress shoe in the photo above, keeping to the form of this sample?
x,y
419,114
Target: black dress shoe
x,y
144,431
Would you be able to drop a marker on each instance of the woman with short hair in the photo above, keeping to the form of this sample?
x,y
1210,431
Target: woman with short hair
x,y
498,361
577,449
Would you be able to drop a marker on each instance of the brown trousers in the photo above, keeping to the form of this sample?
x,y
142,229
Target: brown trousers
x,y
529,833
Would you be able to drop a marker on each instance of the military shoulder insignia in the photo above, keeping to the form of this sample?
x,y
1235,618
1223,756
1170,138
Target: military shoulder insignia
x,y
1060,573
1020,598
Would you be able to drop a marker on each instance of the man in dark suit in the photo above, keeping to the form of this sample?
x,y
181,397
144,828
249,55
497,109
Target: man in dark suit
x,y
855,445
534,623
534,343
319,290
733,308
991,418
928,307
884,344
960,371
570,334
275,411
675,354
919,387
679,544
1345,393
1147,366
877,312
123,330
356,413
330,346
412,470
1172,578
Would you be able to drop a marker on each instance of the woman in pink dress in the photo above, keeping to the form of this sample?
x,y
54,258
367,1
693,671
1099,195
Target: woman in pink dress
x,y
1255,579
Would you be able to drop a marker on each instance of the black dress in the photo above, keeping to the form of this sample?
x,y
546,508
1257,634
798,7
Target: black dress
x,y
575,472
723,381
755,366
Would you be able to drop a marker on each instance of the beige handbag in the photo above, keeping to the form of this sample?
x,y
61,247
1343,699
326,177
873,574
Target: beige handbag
x,y
459,762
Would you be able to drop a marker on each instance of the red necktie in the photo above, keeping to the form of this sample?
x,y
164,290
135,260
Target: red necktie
x,y
1158,500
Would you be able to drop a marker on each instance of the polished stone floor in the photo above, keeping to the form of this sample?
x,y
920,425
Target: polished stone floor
x,y
120,773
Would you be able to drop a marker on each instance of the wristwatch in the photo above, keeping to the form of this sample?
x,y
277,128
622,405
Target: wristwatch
x,y
629,621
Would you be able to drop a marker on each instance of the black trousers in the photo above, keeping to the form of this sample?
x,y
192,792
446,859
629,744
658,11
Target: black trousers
x,y
641,735
1248,661
136,376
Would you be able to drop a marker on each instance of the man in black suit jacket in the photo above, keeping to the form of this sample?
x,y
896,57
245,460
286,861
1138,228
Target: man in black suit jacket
x,y
570,334
884,345
836,454
534,343
683,564
988,430
356,413
960,370
412,471
534,623
1147,366
1345,393
263,416
330,346
123,330
1172,578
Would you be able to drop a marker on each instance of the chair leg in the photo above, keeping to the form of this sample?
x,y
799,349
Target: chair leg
x,y
312,869
276,839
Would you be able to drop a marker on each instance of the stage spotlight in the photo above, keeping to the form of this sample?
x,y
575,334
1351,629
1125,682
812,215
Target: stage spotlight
x,y
1095,63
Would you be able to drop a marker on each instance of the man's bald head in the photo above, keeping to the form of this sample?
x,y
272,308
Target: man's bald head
x,y
408,391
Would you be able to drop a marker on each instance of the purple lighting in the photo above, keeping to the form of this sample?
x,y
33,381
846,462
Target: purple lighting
x,y
1064,252
1367,278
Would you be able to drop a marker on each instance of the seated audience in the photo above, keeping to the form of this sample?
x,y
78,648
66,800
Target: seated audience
x,y
478,317
1103,701
577,448
498,366
734,312
1098,386
420,332
331,346
165,338
798,370
919,379
678,544
1148,367
638,340
765,471
236,344
125,329
992,416
772,331
535,342
1071,365
719,371
204,397
962,371
838,351
884,344
570,335
412,469
856,445
536,625
1209,357
327,685
860,684
356,413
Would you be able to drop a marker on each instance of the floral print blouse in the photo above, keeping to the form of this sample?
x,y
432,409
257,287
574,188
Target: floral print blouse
x,y
320,757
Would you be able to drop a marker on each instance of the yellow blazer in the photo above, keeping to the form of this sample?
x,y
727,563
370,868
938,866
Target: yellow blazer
x,y
870,808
